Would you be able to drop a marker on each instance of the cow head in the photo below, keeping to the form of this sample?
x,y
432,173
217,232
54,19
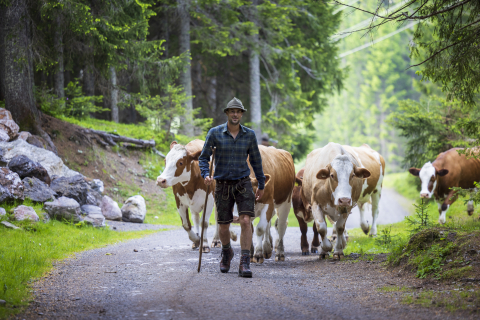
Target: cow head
x,y
340,174
255,182
178,164
428,176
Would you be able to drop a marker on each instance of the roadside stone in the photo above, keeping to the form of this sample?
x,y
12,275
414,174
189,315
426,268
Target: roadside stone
x,y
3,302
3,212
89,209
37,190
27,168
110,209
93,197
71,187
63,208
25,213
24,135
134,209
97,185
7,123
4,135
11,187
9,225
95,219
49,160
3,162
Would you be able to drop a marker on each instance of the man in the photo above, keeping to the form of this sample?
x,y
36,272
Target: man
x,y
234,143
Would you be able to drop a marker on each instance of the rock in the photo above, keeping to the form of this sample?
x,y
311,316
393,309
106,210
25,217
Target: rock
x,y
25,213
63,208
7,123
24,135
3,302
95,219
110,209
97,185
94,197
49,160
3,212
9,225
89,209
37,190
134,209
27,168
4,137
73,187
11,187
3,162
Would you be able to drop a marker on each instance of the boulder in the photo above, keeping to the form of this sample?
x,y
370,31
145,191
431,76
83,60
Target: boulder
x,y
63,209
95,219
3,162
76,188
134,209
27,168
87,209
97,185
37,190
11,187
4,137
3,212
110,209
25,213
7,124
24,135
49,160
9,225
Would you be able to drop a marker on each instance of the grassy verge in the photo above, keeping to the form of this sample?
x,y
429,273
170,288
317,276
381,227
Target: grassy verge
x,y
28,253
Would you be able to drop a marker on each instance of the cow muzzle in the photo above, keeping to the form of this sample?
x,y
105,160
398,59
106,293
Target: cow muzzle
x,y
424,195
161,182
344,202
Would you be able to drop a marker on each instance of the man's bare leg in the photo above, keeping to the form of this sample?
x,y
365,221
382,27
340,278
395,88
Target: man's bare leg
x,y
224,233
246,236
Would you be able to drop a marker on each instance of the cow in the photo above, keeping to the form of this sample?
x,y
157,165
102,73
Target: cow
x,y
332,184
279,170
450,169
182,173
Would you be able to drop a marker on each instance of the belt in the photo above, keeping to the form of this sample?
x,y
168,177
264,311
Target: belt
x,y
229,182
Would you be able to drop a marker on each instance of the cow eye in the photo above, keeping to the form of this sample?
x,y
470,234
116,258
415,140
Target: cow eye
x,y
331,176
181,163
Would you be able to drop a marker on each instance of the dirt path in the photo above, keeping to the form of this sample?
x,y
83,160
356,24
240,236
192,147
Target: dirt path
x,y
160,281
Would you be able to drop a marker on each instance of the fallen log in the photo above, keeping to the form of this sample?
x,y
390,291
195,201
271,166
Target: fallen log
x,y
110,139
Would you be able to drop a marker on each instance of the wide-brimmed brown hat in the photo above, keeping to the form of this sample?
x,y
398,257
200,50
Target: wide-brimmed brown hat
x,y
235,104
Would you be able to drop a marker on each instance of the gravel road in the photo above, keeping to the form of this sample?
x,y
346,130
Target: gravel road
x,y
160,281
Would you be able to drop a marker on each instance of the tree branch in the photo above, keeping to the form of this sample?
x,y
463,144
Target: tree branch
x,y
436,53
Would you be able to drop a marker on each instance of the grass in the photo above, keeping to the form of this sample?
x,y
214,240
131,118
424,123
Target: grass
x,y
404,183
29,253
465,298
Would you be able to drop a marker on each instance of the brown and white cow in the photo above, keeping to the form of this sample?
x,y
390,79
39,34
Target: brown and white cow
x,y
332,184
278,166
450,169
182,173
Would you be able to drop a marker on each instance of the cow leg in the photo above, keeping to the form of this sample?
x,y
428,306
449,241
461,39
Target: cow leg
x,y
341,240
260,231
216,243
375,204
319,217
207,212
470,207
267,242
449,200
303,238
364,208
316,240
183,212
282,212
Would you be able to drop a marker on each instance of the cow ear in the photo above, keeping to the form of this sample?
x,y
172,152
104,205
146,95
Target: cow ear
x,y
194,155
173,144
323,174
414,171
267,179
362,173
442,172
299,181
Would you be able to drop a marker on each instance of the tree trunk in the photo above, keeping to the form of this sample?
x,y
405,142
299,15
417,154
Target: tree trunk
x,y
58,78
255,103
113,94
2,52
185,77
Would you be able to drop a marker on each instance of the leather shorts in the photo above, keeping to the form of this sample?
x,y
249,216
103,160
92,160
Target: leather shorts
x,y
228,193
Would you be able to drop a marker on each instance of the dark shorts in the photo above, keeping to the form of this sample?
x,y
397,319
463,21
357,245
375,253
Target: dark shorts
x,y
227,193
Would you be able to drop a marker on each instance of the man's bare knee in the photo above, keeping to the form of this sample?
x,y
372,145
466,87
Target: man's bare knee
x,y
244,221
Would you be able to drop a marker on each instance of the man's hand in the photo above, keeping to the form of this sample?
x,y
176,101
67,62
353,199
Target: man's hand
x,y
208,180
259,194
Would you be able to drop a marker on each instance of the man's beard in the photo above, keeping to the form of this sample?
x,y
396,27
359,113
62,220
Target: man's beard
x,y
234,121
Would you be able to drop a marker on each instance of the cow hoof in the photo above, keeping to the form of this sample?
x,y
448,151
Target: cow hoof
x,y
333,238
233,236
323,256
470,213
216,244
305,253
195,246
206,249
280,257
338,256
314,250
257,259
267,255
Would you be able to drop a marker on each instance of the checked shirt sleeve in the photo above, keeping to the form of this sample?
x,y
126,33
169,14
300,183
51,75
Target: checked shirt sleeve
x,y
206,154
256,162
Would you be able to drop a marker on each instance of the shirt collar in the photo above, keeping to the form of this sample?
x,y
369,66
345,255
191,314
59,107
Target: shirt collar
x,y
225,127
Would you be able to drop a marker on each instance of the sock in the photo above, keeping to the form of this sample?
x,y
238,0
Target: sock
x,y
226,246
247,252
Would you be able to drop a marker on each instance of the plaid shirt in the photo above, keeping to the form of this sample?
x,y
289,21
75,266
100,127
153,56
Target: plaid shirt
x,y
231,154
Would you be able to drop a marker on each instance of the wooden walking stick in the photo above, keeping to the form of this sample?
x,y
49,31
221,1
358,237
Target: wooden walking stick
x,y
205,209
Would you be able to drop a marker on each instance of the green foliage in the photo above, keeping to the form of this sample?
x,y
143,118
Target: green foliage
x,y
404,183
2,104
431,261
421,219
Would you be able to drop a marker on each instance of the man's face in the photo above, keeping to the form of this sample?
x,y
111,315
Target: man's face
x,y
234,116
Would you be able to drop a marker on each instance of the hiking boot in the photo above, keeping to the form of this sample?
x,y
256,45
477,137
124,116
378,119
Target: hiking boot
x,y
227,256
244,269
